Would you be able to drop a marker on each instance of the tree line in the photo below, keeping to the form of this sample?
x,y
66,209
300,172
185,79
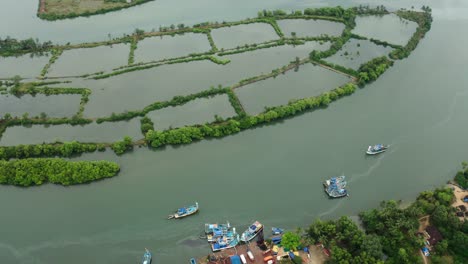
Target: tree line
x,y
30,172
188,134
13,47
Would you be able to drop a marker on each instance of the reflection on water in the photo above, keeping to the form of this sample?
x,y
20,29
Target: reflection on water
x,y
235,36
310,28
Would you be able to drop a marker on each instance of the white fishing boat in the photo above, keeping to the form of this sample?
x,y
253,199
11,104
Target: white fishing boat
x,y
376,149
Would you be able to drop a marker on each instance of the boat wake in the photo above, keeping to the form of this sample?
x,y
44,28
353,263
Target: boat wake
x,y
333,209
451,111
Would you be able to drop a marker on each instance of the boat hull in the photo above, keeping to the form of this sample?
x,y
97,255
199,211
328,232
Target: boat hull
x,y
249,238
176,216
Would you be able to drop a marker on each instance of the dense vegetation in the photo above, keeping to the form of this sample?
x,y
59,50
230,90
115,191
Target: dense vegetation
x,y
370,71
65,149
120,147
462,177
13,47
185,135
424,20
391,233
29,172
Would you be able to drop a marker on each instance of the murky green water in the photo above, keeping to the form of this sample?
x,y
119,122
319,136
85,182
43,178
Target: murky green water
x,y
77,62
141,88
199,111
105,132
390,28
235,36
356,52
24,66
257,174
158,48
310,28
308,80
53,105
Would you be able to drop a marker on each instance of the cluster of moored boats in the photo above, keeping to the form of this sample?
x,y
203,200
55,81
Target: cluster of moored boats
x,y
223,236
335,187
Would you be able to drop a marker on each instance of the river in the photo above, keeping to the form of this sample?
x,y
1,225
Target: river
x,y
272,173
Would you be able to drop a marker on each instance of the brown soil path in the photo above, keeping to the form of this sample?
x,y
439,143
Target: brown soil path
x,y
42,7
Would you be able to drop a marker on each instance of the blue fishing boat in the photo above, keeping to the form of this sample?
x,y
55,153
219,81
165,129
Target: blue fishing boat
x,y
193,261
276,231
230,240
185,211
335,187
251,232
376,149
147,258
215,231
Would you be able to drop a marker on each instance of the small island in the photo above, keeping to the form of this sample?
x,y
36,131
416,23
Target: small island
x,y
61,9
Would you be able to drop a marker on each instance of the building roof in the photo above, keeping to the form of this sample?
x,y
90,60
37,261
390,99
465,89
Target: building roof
x,y
434,234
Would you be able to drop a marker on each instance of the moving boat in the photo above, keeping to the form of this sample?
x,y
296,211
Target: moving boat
x,y
193,261
215,231
185,211
252,231
230,240
146,257
376,149
335,187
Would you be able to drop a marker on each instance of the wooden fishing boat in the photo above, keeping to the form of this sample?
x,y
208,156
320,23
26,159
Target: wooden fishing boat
x,y
185,211
252,231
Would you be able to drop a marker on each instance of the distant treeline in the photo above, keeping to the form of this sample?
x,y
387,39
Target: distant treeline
x,y
29,172
13,47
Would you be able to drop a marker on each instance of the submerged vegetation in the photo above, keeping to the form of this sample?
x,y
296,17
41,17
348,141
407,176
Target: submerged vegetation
x,y
30,172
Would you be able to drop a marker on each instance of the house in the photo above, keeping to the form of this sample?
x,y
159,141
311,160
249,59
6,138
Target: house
x,y
434,235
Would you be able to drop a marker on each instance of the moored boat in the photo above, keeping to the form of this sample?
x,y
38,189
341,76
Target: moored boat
x,y
376,149
252,231
185,211
147,258
230,240
215,231
276,231
335,187
193,261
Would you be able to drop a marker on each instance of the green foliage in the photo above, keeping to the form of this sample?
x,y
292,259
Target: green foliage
x,y
424,21
462,179
396,229
212,44
235,103
56,52
13,47
146,125
177,100
66,149
371,70
120,147
291,241
188,134
29,172
133,47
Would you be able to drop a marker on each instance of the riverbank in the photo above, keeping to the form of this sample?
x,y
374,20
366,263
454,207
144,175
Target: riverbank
x,y
392,231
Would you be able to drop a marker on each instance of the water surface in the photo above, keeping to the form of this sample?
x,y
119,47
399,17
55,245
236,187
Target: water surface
x,y
77,62
306,81
356,52
310,28
105,132
235,36
52,105
112,221
199,111
166,47
26,66
134,90
390,28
